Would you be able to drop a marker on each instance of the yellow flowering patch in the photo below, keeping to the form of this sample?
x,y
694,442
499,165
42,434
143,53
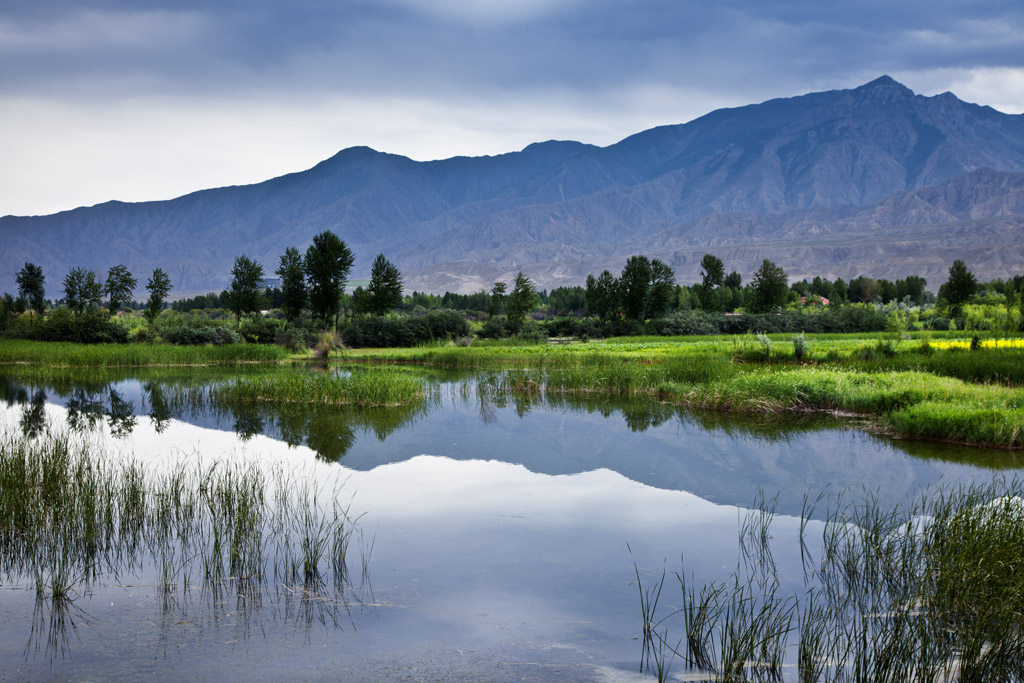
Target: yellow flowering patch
x,y
986,344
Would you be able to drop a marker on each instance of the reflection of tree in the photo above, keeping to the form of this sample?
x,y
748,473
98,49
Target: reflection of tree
x,y
85,411
641,416
248,422
331,445
33,416
159,409
121,416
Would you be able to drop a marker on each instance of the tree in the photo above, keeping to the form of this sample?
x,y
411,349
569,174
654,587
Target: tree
x,y
912,286
634,286
385,288
959,288
770,288
82,290
119,287
31,281
158,285
603,299
327,265
244,295
521,301
712,277
496,306
293,284
662,287
733,280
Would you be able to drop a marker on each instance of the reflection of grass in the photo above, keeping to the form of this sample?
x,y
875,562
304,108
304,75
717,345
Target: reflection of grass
x,y
51,354
931,591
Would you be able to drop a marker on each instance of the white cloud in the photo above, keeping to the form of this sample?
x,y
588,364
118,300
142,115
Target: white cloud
x,y
1001,88
84,152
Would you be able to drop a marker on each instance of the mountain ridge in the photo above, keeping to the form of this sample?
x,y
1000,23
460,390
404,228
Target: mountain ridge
x,y
558,209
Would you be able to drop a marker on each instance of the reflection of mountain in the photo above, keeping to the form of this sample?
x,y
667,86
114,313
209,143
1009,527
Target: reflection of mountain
x,y
718,457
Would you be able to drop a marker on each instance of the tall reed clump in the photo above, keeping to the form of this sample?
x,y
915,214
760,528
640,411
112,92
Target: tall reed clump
x,y
70,515
931,591
377,387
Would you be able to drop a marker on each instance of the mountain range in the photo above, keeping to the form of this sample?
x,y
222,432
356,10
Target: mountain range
x,y
874,180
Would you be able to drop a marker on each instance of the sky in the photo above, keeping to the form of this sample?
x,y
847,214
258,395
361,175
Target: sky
x,y
150,99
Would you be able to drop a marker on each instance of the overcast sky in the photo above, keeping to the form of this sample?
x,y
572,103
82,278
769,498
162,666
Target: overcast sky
x,y
150,99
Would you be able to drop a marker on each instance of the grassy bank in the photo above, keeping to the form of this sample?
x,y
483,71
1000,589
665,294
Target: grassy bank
x,y
61,354
945,394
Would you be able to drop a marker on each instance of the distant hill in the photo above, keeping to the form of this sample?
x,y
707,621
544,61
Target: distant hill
x,y
875,180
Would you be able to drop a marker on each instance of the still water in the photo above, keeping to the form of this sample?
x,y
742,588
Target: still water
x,y
499,537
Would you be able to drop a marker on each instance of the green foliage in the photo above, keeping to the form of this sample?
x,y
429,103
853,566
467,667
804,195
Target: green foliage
x,y
712,277
245,294
261,330
159,286
119,287
390,332
31,286
63,326
800,347
604,296
293,284
959,288
82,291
770,288
381,386
635,285
193,331
497,303
327,265
385,289
522,300
53,354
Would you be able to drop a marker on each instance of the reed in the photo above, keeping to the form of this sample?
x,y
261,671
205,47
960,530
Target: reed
x,y
70,515
379,387
932,590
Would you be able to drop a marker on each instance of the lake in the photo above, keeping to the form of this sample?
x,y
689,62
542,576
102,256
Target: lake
x,y
496,536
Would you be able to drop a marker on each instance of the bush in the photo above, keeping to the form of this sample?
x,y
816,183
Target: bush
x,y
296,338
261,330
197,332
400,331
64,326
685,323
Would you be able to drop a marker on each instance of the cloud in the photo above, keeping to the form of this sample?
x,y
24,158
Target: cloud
x,y
108,84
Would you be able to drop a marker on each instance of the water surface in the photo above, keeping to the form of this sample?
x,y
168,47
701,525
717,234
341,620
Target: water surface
x,y
501,534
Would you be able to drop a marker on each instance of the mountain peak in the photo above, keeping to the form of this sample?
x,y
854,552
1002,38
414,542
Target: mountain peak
x,y
885,87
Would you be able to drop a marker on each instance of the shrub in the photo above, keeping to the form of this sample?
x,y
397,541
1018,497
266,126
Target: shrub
x,y
261,330
198,332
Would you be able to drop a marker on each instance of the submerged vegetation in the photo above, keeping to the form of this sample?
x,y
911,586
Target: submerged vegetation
x,y
931,591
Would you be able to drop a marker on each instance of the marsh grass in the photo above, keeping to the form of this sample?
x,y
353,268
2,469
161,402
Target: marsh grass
x,y
931,591
377,387
63,354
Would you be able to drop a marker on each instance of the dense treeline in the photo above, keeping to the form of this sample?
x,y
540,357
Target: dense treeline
x,y
312,300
